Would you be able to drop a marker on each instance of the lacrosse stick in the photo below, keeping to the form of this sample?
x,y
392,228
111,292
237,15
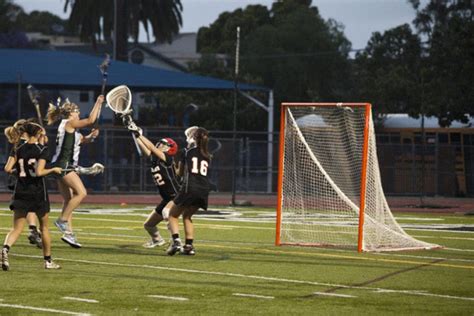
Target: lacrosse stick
x,y
34,96
119,100
93,170
103,69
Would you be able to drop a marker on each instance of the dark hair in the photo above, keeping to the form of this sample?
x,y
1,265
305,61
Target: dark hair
x,y
32,129
201,135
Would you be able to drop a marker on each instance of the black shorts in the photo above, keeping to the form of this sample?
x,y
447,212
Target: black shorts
x,y
40,207
159,208
194,199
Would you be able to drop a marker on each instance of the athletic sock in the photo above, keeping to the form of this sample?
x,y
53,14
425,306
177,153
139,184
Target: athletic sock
x,y
175,236
189,241
32,228
6,247
47,258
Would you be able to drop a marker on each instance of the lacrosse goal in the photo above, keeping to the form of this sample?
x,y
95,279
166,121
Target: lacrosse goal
x,y
329,187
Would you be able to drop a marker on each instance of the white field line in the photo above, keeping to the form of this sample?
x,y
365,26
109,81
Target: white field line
x,y
41,309
334,294
87,300
254,296
253,277
322,249
171,298
121,228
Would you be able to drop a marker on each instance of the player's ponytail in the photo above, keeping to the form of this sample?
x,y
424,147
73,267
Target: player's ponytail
x,y
12,134
56,112
202,140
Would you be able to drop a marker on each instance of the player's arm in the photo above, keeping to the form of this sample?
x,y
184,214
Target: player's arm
x,y
92,116
9,165
149,145
144,148
41,171
91,137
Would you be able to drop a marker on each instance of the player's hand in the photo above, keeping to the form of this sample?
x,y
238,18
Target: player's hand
x,y
94,133
100,100
57,170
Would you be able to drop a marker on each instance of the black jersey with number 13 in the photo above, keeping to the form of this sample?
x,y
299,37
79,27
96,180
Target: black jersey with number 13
x,y
29,186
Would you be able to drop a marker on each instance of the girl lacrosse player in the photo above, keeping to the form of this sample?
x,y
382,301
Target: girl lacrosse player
x,y
30,194
68,144
13,133
194,191
164,175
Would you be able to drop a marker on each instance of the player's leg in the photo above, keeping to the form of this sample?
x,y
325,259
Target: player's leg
x,y
150,226
34,236
74,182
66,193
79,192
188,248
176,245
48,262
19,220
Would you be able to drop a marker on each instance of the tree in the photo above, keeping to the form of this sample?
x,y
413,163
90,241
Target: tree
x,y
387,72
8,15
43,22
447,28
288,48
95,20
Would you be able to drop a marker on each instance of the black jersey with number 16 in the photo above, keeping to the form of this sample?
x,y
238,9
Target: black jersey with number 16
x,y
195,177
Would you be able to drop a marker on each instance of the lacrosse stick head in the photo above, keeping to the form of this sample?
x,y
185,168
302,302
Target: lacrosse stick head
x,y
92,170
172,146
119,100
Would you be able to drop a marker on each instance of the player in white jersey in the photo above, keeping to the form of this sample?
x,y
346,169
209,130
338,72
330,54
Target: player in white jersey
x,y
68,145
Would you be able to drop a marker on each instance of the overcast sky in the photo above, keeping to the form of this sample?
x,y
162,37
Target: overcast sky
x,y
360,17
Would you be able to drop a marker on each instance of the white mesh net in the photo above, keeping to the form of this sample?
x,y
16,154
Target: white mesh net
x,y
119,100
321,184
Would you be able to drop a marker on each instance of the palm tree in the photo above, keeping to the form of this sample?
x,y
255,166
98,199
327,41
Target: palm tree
x,y
94,20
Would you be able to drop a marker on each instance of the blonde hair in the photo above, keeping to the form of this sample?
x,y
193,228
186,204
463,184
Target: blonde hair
x,y
64,110
13,133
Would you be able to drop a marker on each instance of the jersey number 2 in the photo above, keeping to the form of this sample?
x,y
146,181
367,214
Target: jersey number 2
x,y
202,170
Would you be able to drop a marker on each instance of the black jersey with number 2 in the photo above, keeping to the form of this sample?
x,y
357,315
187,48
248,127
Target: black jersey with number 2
x,y
164,176
29,187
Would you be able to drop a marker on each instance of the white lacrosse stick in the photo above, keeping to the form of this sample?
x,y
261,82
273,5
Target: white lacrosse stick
x,y
93,170
119,100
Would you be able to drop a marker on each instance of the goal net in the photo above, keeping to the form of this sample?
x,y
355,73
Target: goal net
x,y
329,189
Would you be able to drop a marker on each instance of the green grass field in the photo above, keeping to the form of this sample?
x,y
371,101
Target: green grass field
x,y
237,270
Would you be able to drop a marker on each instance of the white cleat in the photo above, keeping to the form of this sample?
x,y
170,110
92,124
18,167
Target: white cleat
x,y
154,243
51,265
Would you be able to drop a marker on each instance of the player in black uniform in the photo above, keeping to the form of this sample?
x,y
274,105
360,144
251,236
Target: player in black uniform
x,y
30,194
194,192
164,175
14,135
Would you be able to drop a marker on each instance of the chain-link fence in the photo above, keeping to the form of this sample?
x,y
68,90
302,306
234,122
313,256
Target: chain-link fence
x,y
446,167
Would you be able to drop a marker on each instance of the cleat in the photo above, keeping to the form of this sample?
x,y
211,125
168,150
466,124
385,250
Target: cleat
x,y
51,265
61,225
70,239
35,238
174,247
188,250
5,263
154,243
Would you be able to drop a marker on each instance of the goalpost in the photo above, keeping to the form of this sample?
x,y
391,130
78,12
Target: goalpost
x,y
329,187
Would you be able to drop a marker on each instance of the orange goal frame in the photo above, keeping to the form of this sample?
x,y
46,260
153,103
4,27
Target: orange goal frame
x,y
365,149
